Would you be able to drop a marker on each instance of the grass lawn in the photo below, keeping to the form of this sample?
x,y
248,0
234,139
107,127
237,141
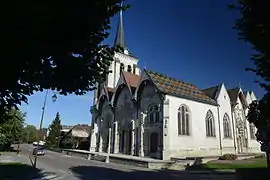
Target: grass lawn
x,y
14,171
253,163
236,164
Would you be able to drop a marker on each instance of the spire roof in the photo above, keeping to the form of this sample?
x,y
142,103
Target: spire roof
x,y
120,36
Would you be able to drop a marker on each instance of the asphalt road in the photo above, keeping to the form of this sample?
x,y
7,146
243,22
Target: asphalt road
x,y
59,166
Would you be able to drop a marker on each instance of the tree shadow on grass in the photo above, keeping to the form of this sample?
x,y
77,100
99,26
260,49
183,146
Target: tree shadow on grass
x,y
18,171
240,173
102,173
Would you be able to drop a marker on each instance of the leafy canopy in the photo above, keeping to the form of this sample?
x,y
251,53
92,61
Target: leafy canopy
x,y
11,130
30,134
253,26
55,45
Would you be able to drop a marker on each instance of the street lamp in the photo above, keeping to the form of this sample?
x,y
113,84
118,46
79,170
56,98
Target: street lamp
x,y
54,98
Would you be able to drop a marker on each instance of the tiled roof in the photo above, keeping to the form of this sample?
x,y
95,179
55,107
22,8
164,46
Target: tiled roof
x,y
211,91
178,88
132,79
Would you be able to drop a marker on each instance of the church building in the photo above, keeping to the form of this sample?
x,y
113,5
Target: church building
x,y
148,114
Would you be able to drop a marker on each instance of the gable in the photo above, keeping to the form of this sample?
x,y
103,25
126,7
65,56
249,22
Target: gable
x,y
212,91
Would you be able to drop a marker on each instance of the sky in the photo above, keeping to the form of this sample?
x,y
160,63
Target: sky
x,y
191,40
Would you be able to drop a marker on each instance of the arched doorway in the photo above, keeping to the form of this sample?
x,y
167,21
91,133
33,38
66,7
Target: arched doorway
x,y
153,142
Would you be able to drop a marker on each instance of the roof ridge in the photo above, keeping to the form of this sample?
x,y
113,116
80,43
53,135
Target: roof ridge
x,y
172,78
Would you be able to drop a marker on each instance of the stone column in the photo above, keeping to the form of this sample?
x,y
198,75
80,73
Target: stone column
x,y
100,149
93,139
165,129
141,152
132,138
109,140
116,138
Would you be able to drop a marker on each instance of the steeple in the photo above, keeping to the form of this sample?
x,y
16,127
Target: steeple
x,y
120,38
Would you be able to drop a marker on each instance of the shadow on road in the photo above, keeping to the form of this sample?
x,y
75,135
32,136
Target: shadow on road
x,y
17,171
103,173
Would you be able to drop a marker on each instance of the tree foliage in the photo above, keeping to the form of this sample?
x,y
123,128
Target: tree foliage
x,y
54,132
253,26
30,134
259,115
57,46
11,130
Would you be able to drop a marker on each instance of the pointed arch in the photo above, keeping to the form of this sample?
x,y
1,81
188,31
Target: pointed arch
x,y
210,124
153,114
183,120
227,126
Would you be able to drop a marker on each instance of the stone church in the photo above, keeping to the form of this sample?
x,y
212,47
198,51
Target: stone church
x,y
149,114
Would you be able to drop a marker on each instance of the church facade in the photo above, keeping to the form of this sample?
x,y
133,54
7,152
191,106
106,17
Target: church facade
x,y
148,114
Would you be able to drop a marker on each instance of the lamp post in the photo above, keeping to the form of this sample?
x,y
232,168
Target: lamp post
x,y
54,98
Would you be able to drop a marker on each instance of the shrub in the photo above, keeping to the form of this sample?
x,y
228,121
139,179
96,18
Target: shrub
x,y
228,157
260,156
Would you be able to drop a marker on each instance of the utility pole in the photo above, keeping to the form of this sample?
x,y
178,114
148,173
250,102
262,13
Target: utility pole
x,y
54,97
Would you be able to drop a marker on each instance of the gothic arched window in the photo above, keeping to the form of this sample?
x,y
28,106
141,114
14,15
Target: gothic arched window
x,y
227,126
153,114
183,120
210,124
252,131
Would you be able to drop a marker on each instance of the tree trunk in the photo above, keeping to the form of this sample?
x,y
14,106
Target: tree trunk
x,y
268,159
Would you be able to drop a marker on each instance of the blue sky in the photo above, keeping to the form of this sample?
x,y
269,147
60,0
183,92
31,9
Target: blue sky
x,y
191,40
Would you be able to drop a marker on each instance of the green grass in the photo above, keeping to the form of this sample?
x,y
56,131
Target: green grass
x,y
14,171
236,164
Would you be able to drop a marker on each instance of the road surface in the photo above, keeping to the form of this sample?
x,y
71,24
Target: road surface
x,y
59,166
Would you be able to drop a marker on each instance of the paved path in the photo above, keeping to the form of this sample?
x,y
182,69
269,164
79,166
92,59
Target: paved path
x,y
60,166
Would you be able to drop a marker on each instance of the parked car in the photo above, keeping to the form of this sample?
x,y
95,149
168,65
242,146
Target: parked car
x,y
39,151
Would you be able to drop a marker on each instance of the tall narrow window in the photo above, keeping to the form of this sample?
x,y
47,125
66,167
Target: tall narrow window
x,y
210,124
183,121
153,114
252,131
227,126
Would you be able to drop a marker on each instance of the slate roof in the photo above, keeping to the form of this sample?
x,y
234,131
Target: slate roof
x,y
211,91
174,87
233,93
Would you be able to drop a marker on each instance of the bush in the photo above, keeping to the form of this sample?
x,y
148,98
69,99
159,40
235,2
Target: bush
x,y
228,157
260,156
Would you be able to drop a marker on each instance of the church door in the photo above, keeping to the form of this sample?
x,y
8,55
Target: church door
x,y
153,142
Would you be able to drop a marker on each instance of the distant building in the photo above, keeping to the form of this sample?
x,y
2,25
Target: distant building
x,y
80,134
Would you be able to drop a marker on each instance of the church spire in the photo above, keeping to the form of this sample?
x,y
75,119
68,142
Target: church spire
x,y
120,38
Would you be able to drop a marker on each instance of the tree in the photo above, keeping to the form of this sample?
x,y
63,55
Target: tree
x,y
259,115
54,132
30,134
253,26
55,46
12,129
